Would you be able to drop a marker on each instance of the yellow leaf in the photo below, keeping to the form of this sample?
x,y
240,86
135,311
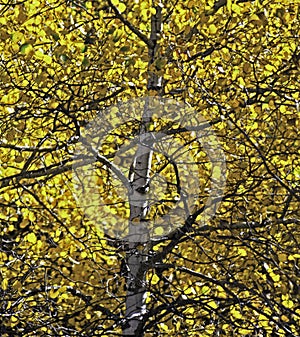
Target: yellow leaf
x,y
4,284
205,290
216,172
284,318
154,279
282,108
229,5
164,326
212,29
53,105
31,238
189,291
122,7
83,255
31,216
293,257
64,296
53,293
236,313
245,331
254,17
212,304
275,277
17,36
73,229
242,252
269,67
48,59
39,244
288,304
6,196
159,231
190,311
114,110
39,55
236,8
63,289
11,227
14,319
64,213
263,320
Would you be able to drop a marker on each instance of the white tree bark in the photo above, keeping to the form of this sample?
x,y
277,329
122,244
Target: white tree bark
x,y
138,230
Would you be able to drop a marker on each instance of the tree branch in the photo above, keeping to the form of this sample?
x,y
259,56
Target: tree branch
x,y
130,26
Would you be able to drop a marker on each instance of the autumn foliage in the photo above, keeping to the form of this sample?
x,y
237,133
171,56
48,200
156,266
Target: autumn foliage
x,y
236,63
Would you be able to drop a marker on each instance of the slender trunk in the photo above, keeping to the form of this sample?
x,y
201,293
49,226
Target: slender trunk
x,y
138,231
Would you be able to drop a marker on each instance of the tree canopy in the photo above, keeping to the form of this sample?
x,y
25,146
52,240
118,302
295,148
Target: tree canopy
x,y
236,64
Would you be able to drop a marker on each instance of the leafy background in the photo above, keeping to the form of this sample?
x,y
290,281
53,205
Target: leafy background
x,y
236,63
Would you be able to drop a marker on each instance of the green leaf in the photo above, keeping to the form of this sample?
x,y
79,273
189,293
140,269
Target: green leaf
x,y
25,47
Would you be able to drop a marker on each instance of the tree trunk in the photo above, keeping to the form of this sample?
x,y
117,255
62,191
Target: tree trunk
x,y
138,230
